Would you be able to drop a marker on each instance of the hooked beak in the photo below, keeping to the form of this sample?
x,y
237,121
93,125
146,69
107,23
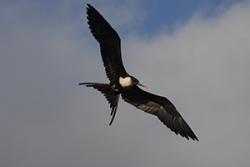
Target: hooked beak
x,y
141,85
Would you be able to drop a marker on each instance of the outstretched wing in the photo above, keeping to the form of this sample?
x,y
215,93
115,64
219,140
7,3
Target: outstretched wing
x,y
162,108
110,44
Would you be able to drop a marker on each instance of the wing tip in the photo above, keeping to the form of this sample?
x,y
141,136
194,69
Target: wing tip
x,y
192,136
179,126
187,132
89,6
91,9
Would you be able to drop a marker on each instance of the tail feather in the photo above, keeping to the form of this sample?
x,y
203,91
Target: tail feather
x,y
111,96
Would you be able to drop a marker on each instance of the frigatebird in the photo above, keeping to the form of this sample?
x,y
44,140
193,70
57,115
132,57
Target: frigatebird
x,y
121,83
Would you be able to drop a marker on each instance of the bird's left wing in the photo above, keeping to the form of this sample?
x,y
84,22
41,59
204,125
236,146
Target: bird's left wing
x,y
161,107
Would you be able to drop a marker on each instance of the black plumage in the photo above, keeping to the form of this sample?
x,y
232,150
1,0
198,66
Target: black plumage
x,y
110,44
160,107
121,83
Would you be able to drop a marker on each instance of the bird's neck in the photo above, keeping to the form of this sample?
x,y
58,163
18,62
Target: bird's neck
x,y
126,81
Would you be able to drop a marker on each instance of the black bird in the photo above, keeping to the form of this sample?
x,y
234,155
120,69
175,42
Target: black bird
x,y
121,83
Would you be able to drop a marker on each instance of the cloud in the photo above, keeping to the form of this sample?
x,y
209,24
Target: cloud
x,y
46,119
203,67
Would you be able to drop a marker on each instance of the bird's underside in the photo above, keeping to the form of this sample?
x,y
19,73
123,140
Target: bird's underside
x,y
121,83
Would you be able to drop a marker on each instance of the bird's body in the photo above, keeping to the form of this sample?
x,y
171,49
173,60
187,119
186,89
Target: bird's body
x,y
121,83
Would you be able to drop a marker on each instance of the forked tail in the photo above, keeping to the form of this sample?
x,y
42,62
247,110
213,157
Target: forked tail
x,y
111,96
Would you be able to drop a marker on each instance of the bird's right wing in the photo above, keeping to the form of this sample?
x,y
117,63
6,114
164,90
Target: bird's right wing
x,y
110,44
162,108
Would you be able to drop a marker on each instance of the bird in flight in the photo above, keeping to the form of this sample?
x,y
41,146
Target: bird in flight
x,y
121,83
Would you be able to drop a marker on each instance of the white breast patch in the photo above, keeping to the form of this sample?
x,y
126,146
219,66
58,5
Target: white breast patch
x,y
125,82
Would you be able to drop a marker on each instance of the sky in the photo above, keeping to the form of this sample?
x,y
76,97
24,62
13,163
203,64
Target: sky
x,y
196,53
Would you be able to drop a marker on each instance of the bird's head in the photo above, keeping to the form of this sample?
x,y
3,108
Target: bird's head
x,y
129,81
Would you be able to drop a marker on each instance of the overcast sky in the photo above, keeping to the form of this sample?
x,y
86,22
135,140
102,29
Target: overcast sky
x,y
196,53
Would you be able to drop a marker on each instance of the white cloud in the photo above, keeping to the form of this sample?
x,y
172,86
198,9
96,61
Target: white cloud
x,y
203,68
